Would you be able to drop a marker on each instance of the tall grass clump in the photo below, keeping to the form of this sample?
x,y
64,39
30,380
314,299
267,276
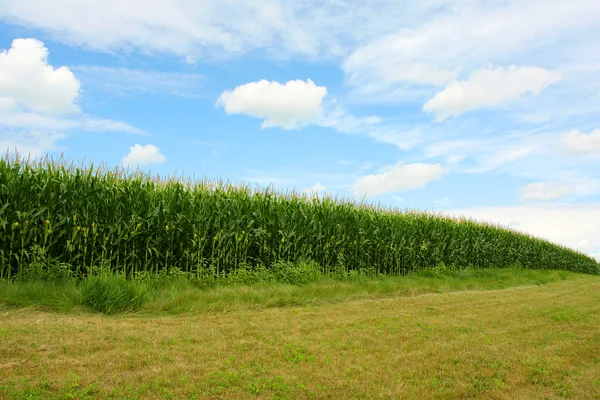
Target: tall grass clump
x,y
83,216
110,293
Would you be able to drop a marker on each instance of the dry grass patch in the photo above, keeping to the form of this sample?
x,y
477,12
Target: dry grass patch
x,y
518,343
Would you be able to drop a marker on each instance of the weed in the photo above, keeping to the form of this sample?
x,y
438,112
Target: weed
x,y
296,353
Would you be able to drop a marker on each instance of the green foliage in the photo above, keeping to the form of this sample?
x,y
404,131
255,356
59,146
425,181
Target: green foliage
x,y
176,292
59,296
43,268
86,216
26,390
110,293
299,273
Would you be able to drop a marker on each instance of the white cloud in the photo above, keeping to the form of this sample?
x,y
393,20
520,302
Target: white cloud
x,y
122,80
546,191
568,224
34,98
90,123
316,188
527,153
261,99
583,244
25,120
289,106
489,87
27,80
30,143
372,127
7,105
476,155
463,36
424,40
391,71
579,142
143,155
397,178
216,28
177,27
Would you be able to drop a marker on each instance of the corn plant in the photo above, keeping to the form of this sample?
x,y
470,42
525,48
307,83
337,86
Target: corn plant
x,y
84,216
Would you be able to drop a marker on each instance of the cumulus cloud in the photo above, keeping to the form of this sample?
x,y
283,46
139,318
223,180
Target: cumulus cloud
x,y
489,87
290,106
399,177
546,191
571,225
38,102
143,155
579,142
316,188
27,80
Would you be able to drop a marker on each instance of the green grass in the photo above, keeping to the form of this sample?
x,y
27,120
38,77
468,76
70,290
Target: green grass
x,y
112,293
122,285
56,296
187,299
538,341
175,294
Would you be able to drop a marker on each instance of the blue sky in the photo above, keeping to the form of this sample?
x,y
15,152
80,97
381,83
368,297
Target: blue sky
x,y
488,109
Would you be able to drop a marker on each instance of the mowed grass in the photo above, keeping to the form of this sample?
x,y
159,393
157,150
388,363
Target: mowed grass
x,y
526,342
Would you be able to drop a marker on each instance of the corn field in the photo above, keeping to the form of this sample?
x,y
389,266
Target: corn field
x,y
86,216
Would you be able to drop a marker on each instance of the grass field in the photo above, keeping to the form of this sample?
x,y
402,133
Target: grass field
x,y
116,284
525,342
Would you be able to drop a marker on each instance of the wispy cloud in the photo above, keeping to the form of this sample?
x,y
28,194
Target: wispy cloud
x,y
546,191
25,120
126,80
30,143
216,29
376,128
466,36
